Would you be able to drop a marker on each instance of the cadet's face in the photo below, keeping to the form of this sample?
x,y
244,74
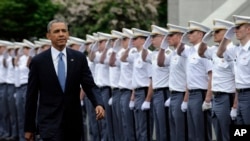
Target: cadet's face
x,y
174,39
138,41
194,36
2,49
156,40
242,31
26,50
125,42
58,35
218,35
102,45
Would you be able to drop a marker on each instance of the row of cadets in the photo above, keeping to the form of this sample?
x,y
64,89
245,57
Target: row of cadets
x,y
240,55
98,56
125,84
177,85
160,81
223,82
199,74
141,77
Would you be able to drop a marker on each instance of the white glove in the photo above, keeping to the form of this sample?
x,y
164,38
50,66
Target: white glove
x,y
82,48
206,106
207,37
110,101
82,103
130,43
145,105
233,113
164,43
167,102
147,43
131,105
108,44
184,38
117,45
230,33
184,106
94,47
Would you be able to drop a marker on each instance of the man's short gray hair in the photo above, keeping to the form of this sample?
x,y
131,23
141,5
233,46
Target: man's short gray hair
x,y
55,21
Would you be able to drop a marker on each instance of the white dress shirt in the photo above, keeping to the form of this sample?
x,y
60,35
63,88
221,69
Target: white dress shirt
x,y
160,75
223,71
240,54
55,58
10,77
177,73
3,70
197,68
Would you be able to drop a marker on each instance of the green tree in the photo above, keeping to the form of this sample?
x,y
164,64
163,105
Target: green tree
x,y
86,17
25,18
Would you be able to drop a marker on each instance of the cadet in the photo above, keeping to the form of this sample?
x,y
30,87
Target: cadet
x,y
177,86
223,85
240,55
159,81
199,73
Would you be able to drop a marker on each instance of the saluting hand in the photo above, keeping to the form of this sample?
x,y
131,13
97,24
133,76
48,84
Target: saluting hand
x,y
100,112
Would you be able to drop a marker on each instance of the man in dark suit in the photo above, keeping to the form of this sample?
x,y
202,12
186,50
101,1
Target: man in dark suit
x,y
53,90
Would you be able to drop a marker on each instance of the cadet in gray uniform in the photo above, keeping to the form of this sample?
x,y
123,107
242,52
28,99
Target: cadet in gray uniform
x,y
199,73
240,54
223,85
177,86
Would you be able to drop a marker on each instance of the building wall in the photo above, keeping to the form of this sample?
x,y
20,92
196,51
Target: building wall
x,y
182,11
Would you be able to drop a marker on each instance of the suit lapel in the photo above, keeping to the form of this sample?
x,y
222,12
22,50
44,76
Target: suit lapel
x,y
70,61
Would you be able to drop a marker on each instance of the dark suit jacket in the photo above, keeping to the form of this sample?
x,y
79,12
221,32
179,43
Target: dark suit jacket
x,y
58,109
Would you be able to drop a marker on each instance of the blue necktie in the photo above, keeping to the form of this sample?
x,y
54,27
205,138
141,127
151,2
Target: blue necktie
x,y
61,71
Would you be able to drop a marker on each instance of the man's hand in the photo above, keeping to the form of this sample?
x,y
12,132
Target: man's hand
x,y
206,106
230,33
100,112
184,106
145,105
147,43
207,37
184,38
164,43
29,136
233,113
167,102
131,105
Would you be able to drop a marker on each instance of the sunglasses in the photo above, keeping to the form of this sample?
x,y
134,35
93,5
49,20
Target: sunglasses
x,y
191,32
217,31
238,26
155,35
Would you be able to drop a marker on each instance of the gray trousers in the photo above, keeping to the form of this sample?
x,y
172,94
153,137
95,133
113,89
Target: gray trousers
x,y
116,113
143,119
4,120
160,114
127,116
12,112
94,131
222,103
199,122
107,126
178,119
20,103
243,107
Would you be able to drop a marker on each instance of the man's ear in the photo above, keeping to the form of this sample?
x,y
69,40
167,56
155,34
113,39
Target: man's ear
x,y
48,35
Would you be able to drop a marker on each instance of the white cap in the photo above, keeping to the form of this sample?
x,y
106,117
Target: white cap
x,y
28,43
5,43
19,44
46,41
104,36
158,30
192,25
127,33
139,32
176,29
238,20
90,39
221,24
75,40
117,34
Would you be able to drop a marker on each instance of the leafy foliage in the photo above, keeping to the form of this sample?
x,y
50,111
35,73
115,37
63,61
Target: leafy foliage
x,y
25,18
